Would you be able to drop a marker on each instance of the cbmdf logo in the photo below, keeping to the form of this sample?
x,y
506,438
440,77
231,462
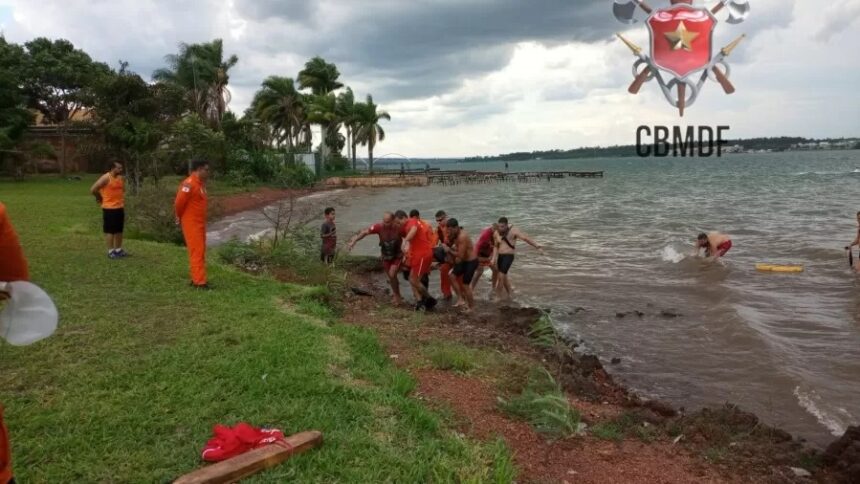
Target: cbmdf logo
x,y
682,55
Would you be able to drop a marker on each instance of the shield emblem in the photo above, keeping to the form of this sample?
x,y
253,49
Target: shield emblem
x,y
681,39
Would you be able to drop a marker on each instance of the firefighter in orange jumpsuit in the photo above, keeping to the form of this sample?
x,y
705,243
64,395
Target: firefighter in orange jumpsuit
x,y
190,207
13,267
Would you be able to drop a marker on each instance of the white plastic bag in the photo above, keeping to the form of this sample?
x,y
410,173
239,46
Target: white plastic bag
x,y
28,316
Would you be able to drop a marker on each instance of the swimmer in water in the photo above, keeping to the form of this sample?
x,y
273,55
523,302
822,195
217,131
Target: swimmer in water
x,y
716,245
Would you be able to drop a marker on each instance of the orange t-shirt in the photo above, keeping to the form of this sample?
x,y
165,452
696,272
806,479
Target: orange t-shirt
x,y
420,245
13,265
113,194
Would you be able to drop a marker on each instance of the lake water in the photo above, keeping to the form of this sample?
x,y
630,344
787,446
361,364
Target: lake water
x,y
785,346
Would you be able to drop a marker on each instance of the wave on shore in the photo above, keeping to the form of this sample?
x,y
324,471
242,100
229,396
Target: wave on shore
x,y
811,402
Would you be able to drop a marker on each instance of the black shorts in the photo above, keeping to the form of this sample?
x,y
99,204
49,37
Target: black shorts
x,y
467,270
113,220
505,262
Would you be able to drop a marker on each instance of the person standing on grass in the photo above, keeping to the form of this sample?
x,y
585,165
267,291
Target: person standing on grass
x,y
417,243
506,239
190,206
444,266
13,267
109,191
329,237
390,245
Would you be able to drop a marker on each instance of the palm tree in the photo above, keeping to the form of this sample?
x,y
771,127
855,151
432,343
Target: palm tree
x,y
346,112
322,79
322,110
281,106
369,129
203,73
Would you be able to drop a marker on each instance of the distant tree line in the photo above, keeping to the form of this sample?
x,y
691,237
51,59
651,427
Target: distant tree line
x,y
157,126
774,144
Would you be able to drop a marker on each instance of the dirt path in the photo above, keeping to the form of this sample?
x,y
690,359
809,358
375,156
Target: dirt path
x,y
725,445
242,202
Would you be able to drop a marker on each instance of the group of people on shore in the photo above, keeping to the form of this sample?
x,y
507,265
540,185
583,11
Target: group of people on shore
x,y
411,246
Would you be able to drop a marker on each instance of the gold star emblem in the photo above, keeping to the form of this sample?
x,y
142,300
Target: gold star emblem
x,y
681,38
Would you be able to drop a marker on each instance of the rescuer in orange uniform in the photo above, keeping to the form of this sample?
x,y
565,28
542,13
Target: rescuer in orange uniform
x,y
13,267
190,207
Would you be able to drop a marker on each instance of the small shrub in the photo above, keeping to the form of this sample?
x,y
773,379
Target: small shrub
x,y
544,406
608,431
455,357
151,215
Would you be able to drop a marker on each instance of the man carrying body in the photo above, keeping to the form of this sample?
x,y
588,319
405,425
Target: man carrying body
x,y
13,267
715,244
329,237
419,249
190,208
109,191
390,245
444,266
485,249
506,238
465,263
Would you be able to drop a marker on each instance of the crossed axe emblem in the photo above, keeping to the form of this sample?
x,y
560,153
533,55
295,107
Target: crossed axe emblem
x,y
681,92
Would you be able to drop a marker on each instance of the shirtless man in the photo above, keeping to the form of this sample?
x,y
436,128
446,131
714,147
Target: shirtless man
x,y
506,238
465,263
390,242
715,244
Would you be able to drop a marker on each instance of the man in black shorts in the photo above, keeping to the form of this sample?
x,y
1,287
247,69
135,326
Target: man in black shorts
x,y
506,239
109,191
465,263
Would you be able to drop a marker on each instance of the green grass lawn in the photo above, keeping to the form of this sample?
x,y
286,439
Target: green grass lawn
x,y
142,367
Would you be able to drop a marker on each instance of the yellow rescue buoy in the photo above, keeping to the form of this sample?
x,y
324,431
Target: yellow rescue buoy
x,y
778,268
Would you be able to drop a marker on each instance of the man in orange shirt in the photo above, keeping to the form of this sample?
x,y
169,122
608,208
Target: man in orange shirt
x,y
13,267
190,207
109,191
417,244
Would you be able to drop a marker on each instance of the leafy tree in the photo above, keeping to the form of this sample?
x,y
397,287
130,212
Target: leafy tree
x,y
203,73
369,129
58,81
322,110
191,138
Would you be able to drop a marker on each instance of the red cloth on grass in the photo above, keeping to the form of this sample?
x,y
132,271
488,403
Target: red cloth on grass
x,y
230,442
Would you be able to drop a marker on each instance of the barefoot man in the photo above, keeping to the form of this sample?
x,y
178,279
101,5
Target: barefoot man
x,y
485,248
190,207
417,244
444,267
109,191
390,245
465,263
506,239
716,245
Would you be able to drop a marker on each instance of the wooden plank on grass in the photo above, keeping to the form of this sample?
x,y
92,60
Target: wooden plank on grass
x,y
249,463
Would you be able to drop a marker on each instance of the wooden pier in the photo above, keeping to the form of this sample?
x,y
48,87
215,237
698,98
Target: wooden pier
x,y
483,177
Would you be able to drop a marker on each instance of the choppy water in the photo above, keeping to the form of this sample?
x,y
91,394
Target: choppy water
x,y
785,346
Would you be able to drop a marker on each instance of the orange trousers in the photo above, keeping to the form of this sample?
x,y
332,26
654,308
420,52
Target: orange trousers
x,y
444,271
195,241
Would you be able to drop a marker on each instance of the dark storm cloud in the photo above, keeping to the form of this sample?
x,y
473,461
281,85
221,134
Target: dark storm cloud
x,y
289,10
429,47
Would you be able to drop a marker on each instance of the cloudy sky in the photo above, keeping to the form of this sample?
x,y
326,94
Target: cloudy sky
x,y
479,77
